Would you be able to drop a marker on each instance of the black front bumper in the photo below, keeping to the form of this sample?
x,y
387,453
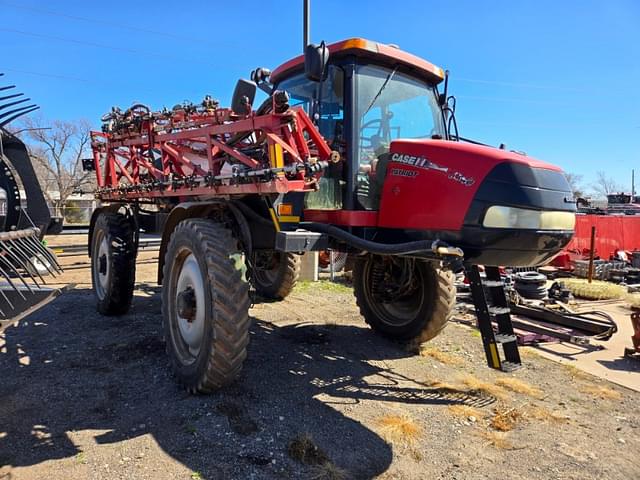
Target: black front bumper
x,y
519,186
509,185
511,247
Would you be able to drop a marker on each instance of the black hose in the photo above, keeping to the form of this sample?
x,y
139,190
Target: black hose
x,y
419,246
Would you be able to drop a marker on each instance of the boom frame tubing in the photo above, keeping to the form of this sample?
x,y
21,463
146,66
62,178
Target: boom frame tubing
x,y
119,157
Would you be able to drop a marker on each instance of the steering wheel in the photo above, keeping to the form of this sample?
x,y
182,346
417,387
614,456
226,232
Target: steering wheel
x,y
366,142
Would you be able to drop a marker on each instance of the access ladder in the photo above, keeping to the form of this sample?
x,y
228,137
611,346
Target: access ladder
x,y
491,305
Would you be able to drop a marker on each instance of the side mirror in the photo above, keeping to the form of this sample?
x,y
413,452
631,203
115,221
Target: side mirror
x,y
243,96
315,61
88,165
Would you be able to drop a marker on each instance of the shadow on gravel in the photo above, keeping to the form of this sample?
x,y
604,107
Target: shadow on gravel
x,y
68,369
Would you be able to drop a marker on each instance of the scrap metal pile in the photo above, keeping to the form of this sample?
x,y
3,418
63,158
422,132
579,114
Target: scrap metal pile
x,y
24,260
543,314
195,150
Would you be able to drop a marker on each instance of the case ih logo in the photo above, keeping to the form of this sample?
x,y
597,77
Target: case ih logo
x,y
420,162
425,163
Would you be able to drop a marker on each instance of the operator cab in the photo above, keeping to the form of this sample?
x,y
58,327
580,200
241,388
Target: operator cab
x,y
370,94
380,107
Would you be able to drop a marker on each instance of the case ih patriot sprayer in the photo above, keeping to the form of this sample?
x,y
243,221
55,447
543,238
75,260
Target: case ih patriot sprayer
x,y
350,151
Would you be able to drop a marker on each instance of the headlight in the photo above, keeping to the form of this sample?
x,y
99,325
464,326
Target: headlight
x,y
522,218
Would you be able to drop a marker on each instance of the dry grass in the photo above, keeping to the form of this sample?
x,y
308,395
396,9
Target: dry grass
x,y
399,429
519,386
575,372
444,386
603,393
633,299
497,439
439,355
476,385
303,449
328,471
536,412
505,420
465,411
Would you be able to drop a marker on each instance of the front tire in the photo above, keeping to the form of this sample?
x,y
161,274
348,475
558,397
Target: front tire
x,y
113,263
205,305
275,274
403,299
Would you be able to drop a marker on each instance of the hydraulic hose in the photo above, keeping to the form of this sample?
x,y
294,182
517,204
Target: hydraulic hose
x,y
419,246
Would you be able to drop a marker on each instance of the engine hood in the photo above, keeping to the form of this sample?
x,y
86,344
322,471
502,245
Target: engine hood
x,y
442,190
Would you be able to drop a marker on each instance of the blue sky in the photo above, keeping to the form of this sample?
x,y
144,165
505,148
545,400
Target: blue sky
x,y
559,80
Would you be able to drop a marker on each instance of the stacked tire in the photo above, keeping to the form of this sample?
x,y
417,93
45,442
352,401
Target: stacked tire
x,y
531,285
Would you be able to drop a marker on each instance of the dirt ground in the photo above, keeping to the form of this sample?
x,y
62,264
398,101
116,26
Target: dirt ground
x,y
320,397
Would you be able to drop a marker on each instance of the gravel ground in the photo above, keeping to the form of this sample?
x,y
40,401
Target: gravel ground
x,y
85,396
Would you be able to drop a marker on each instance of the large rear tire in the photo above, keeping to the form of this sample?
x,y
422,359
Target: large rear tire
x,y
275,274
205,305
113,263
403,299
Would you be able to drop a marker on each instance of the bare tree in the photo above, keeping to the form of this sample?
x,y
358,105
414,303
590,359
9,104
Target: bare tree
x,y
605,185
56,149
575,182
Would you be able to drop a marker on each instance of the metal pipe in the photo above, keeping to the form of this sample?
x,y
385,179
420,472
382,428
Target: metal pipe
x,y
591,253
306,24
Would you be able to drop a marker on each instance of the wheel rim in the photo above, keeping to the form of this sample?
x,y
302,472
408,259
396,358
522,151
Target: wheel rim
x,y
102,267
405,307
266,268
188,308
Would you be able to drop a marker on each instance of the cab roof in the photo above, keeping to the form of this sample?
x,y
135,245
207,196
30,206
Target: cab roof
x,y
360,47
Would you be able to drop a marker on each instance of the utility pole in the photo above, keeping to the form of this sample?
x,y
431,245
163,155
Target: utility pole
x,y
633,184
306,24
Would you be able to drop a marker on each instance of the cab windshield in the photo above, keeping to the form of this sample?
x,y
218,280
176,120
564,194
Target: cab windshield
x,y
390,105
393,105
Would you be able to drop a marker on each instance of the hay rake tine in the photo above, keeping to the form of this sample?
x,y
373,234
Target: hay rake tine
x,y
13,285
12,267
27,260
4,295
14,95
11,104
15,110
38,253
20,262
33,239
35,253
44,251
23,112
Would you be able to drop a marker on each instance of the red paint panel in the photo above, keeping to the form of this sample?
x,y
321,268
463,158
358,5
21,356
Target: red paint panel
x,y
420,196
612,233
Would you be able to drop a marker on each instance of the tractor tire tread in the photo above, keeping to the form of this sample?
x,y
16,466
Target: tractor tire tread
x,y
287,278
119,291
444,299
230,305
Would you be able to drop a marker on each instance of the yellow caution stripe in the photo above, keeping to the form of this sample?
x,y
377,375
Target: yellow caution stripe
x,y
289,219
494,355
274,218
